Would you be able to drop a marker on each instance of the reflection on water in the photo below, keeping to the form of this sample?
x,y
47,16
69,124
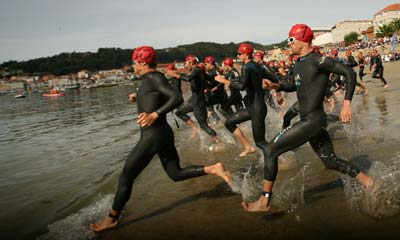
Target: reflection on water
x,y
55,151
381,104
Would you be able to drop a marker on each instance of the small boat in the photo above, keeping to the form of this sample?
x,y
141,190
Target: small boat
x,y
19,96
53,94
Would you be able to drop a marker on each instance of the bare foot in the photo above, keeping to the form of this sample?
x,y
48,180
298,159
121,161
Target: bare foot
x,y
216,139
261,205
104,224
195,131
366,180
247,151
219,170
365,91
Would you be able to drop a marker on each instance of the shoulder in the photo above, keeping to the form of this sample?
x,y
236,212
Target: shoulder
x,y
156,77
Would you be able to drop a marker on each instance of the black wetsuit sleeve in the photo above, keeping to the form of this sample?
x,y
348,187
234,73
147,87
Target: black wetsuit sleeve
x,y
287,84
174,97
330,65
241,83
269,75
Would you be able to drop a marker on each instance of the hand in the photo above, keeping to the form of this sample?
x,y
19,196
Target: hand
x,y
222,79
281,102
345,113
132,97
147,119
172,73
267,84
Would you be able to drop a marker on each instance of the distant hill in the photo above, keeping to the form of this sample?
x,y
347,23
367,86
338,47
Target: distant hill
x,y
110,58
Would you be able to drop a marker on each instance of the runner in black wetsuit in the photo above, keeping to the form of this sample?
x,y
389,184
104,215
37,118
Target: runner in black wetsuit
x,y
268,73
175,80
216,94
155,98
361,64
351,62
336,78
232,74
376,64
310,80
256,109
197,103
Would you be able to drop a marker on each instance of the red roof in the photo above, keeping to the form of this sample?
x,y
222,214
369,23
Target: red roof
x,y
393,7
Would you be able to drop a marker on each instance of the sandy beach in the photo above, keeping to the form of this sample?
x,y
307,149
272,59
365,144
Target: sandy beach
x,y
206,208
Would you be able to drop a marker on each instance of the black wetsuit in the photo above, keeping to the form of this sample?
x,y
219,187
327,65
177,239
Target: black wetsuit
x,y
351,62
217,96
311,76
154,95
256,109
378,72
197,102
176,83
235,99
268,73
291,113
361,63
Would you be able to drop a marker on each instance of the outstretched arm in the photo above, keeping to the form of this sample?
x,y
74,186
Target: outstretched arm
x,y
330,65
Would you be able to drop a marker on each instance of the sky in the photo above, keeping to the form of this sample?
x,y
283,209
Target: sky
x,y
39,28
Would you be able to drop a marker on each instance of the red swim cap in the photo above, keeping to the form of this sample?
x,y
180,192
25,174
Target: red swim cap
x,y
246,49
228,61
348,52
258,54
209,60
301,32
334,52
191,58
201,66
171,67
145,54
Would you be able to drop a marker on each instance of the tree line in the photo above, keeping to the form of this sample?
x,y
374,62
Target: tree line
x,y
110,58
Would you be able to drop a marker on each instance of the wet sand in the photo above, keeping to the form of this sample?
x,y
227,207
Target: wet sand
x,y
205,208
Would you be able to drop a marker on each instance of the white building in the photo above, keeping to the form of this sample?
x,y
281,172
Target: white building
x,y
386,16
322,36
341,29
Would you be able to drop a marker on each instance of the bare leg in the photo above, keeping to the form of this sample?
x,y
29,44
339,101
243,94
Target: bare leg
x,y
331,104
106,223
362,85
263,204
219,170
243,140
195,128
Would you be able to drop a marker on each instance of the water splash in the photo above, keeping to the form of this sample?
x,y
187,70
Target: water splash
x,y
382,199
288,193
76,226
361,132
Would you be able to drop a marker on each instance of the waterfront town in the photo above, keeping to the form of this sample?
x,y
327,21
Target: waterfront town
x,y
326,38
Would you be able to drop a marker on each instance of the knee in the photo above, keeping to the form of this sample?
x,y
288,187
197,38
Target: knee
x,y
175,176
269,153
230,126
